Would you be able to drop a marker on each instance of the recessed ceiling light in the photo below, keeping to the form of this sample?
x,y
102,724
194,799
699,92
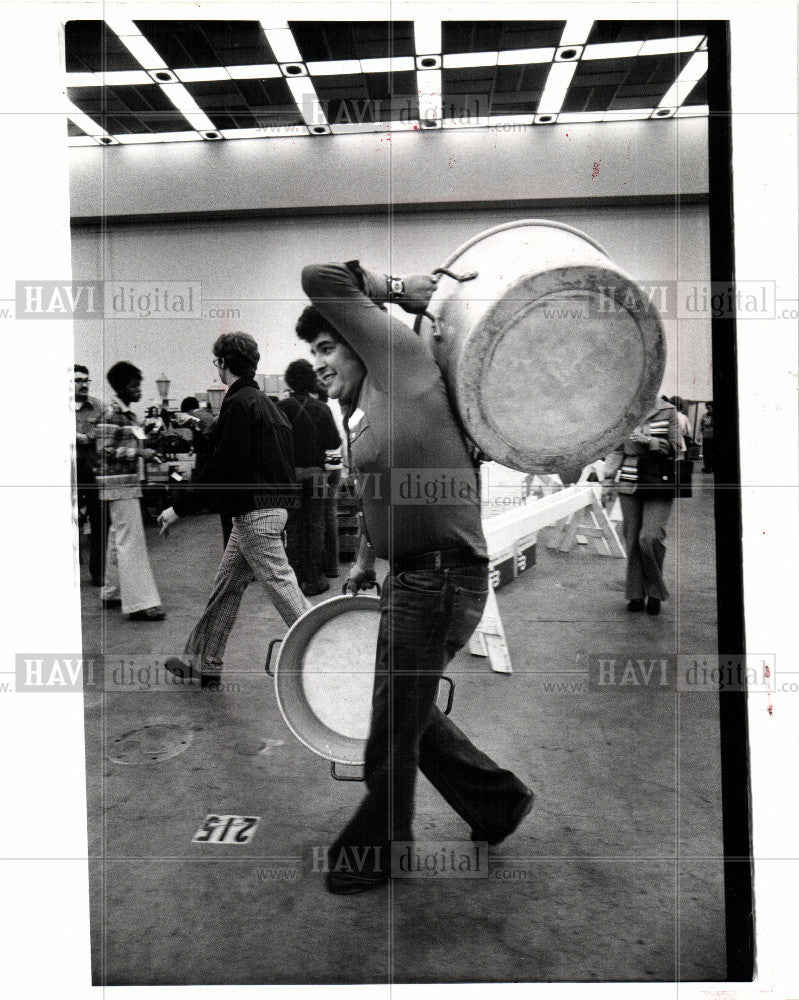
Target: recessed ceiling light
x,y
517,57
212,136
612,50
545,119
334,67
162,76
107,140
319,129
569,53
293,69
663,113
428,62
259,71
467,60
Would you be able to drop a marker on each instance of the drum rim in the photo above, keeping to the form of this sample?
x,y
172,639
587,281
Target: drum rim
x,y
290,658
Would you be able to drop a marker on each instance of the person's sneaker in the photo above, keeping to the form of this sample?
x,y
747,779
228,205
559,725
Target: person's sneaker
x,y
341,884
495,835
147,615
653,606
636,604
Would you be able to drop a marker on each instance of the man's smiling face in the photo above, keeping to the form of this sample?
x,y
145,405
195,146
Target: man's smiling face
x,y
337,366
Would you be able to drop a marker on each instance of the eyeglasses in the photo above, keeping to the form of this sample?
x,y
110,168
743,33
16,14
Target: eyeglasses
x,y
80,378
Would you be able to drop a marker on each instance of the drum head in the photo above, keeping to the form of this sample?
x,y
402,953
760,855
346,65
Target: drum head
x,y
324,676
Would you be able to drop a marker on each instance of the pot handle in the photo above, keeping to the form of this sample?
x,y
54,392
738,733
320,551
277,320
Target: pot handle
x,y
339,776
450,693
365,586
470,276
268,664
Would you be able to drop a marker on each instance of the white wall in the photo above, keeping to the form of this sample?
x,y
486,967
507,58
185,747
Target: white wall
x,y
253,266
613,159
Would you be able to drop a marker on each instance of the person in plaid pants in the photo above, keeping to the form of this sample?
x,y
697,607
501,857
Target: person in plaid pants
x,y
252,471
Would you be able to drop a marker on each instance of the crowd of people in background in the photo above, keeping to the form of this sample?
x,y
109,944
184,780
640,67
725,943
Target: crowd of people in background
x,y
114,447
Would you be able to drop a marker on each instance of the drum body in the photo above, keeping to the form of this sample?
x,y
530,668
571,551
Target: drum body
x,y
551,354
324,676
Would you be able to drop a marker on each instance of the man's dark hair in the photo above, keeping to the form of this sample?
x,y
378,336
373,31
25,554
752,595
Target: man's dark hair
x,y
81,368
189,403
311,323
300,376
120,374
239,352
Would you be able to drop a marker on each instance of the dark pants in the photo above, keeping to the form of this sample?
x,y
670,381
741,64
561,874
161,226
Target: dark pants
x,y
645,520
707,454
227,527
306,531
330,557
426,617
97,513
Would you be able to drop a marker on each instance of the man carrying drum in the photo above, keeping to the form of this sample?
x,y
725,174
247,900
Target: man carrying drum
x,y
420,511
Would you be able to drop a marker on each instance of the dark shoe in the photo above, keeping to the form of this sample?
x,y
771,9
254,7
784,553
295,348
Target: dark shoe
x,y
312,591
148,615
341,884
181,667
653,606
636,604
111,602
494,836
210,681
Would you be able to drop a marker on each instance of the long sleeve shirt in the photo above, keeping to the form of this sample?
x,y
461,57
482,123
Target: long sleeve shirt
x,y
251,466
418,486
119,447
660,423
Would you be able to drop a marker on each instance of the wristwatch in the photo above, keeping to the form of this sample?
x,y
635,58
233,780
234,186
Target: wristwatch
x,y
396,288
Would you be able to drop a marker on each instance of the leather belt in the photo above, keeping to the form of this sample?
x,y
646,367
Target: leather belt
x,y
439,559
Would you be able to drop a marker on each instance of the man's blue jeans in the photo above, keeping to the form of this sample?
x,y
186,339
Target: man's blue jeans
x,y
426,617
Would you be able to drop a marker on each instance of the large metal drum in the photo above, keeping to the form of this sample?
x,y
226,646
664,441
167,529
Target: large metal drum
x,y
551,353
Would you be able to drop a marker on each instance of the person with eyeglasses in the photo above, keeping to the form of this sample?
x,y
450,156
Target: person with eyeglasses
x,y
252,472
88,411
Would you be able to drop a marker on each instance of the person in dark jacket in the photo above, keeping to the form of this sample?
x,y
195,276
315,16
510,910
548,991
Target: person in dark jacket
x,y
252,468
314,433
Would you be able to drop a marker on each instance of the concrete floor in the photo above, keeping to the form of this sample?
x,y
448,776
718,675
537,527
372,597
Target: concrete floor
x,y
616,874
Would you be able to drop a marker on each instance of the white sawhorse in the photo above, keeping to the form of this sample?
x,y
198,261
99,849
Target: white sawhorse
x,y
569,508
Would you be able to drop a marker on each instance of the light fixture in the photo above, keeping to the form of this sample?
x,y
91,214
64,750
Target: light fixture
x,y
557,85
427,36
663,113
293,69
304,94
260,71
140,138
569,53
211,135
469,60
612,50
576,31
282,42
517,56
135,42
394,64
319,129
428,84
668,46
162,384
334,67
428,62
546,119
691,74
201,74
162,76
